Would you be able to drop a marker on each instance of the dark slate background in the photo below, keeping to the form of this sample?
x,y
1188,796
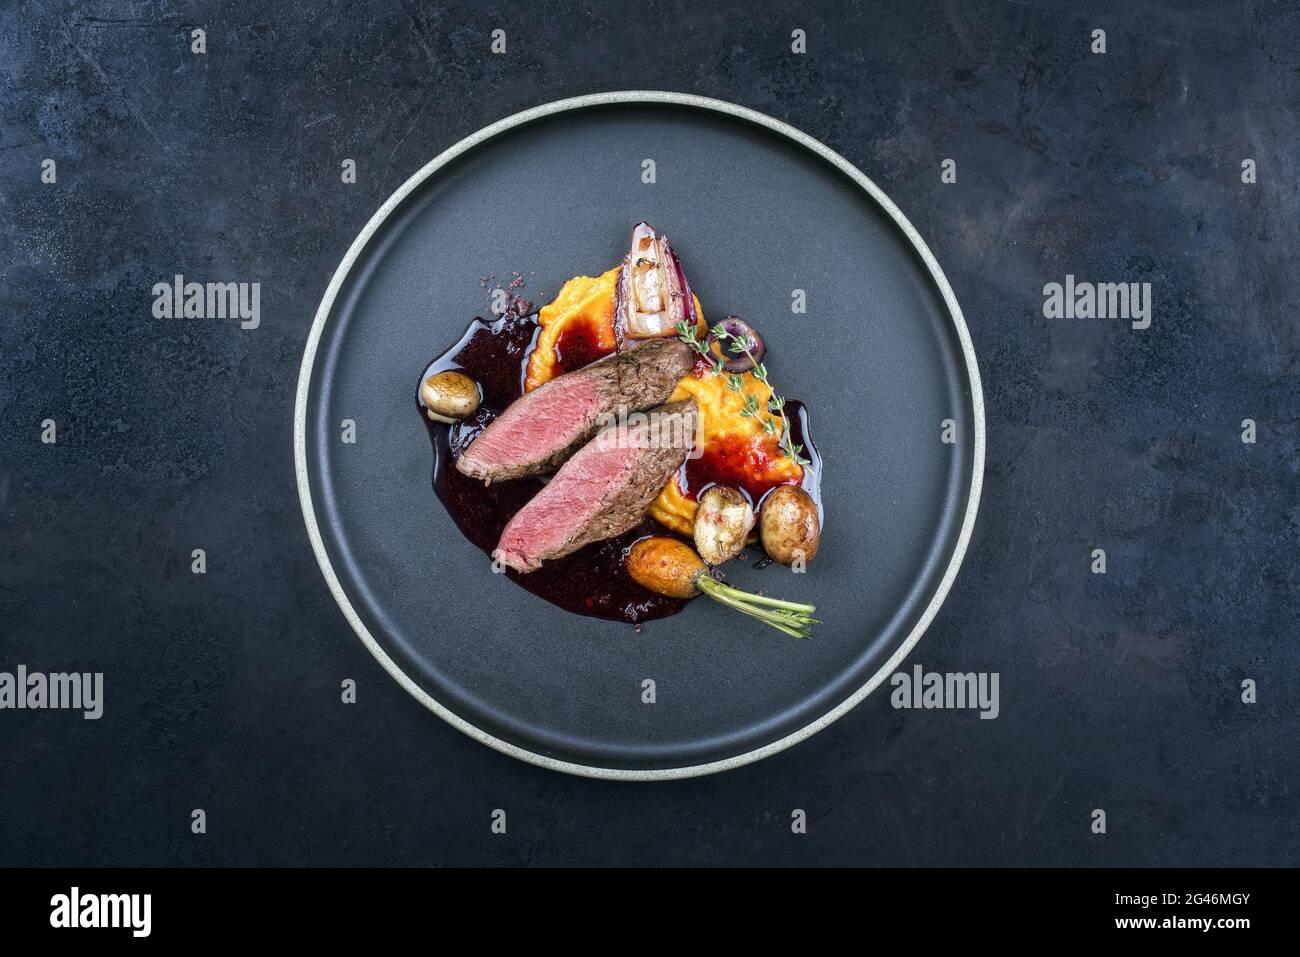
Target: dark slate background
x,y
1119,691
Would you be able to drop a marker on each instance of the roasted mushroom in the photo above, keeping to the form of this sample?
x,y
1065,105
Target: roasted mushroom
x,y
449,395
722,523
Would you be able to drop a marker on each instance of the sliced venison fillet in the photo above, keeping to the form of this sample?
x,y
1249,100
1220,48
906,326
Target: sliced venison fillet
x,y
603,491
544,427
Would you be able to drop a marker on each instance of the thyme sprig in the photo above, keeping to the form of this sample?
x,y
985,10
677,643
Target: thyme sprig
x,y
775,405
737,345
687,335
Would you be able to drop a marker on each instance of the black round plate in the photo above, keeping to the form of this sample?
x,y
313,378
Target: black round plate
x,y
756,210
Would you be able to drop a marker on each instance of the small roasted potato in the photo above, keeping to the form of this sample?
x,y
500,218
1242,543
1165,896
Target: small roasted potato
x,y
449,395
789,526
722,524
665,566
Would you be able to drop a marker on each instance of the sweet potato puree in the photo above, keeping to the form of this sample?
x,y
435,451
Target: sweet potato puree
x,y
578,328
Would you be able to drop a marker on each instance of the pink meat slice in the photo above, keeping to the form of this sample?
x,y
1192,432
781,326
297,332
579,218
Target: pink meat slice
x,y
529,438
544,427
602,491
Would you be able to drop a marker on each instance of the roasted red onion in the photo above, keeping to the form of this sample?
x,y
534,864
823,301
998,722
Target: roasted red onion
x,y
652,294
738,330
